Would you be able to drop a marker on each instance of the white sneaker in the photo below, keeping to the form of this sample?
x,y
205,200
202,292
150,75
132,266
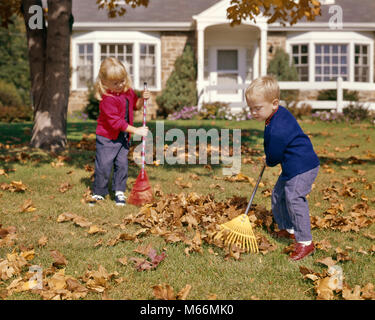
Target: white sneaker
x,y
94,199
120,198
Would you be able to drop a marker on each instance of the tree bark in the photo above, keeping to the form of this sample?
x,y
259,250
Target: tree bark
x,y
49,56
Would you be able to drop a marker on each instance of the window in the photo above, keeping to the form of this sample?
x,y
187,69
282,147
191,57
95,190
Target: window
x,y
361,65
147,65
227,69
300,55
331,61
123,52
85,64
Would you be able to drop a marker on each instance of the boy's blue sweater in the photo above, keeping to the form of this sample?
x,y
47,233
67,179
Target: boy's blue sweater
x,y
287,144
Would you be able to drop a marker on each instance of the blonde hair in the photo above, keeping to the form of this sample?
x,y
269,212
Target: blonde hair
x,y
266,85
111,69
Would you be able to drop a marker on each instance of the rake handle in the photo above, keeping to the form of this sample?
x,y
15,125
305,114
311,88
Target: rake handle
x,y
144,138
255,190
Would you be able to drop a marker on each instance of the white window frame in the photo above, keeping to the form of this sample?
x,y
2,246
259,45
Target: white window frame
x,y
299,56
361,55
332,37
117,37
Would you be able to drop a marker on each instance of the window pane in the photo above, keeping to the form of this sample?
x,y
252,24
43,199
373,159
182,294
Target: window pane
x,y
364,49
295,49
318,59
335,48
357,49
343,60
304,49
81,48
318,48
326,48
364,60
343,48
120,49
304,59
143,49
295,59
335,60
227,60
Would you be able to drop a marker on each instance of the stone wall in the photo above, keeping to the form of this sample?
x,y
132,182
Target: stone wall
x,y
172,46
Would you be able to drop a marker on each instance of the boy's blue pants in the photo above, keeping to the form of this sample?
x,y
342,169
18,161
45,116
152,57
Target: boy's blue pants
x,y
289,204
111,154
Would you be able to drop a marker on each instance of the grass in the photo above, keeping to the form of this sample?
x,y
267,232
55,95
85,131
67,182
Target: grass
x,y
266,277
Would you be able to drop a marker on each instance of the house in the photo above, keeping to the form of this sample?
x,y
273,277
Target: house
x,y
150,39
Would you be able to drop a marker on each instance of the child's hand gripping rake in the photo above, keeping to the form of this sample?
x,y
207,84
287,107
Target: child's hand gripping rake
x,y
240,230
142,192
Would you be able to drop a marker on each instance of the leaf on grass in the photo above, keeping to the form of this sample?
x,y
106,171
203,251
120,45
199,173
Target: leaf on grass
x,y
64,187
95,229
164,292
184,292
328,261
58,259
42,241
123,260
28,206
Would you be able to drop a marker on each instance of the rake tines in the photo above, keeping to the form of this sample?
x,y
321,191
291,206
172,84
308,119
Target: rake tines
x,y
240,233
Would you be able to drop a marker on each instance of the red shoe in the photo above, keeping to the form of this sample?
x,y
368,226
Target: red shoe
x,y
301,251
283,234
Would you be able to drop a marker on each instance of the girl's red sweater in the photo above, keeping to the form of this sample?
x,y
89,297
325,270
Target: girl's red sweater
x,y
111,120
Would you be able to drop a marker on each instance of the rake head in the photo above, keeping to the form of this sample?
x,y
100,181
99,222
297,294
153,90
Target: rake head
x,y
240,233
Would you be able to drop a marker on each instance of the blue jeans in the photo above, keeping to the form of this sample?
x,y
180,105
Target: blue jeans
x,y
289,204
111,154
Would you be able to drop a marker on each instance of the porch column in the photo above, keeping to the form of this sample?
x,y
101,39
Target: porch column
x,y
263,50
200,63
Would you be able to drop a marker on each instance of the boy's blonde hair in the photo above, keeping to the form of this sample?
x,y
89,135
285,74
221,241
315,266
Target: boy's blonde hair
x,y
266,85
111,69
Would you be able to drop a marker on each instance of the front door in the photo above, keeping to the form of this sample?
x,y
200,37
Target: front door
x,y
228,69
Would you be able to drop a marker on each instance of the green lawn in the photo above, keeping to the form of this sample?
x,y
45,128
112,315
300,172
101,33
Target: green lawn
x,y
347,154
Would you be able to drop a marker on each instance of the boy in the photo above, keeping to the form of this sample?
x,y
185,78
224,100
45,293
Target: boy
x,y
285,143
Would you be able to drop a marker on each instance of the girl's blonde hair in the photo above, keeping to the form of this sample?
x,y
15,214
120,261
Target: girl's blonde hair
x,y
266,85
111,69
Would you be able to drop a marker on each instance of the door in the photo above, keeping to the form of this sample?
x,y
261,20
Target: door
x,y
228,69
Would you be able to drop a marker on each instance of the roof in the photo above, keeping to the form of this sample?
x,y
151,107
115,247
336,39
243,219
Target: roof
x,y
182,11
156,11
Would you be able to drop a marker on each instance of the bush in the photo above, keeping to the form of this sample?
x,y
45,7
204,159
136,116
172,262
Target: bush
x,y
299,112
331,95
180,88
92,107
329,116
186,113
9,95
15,114
281,68
356,112
212,110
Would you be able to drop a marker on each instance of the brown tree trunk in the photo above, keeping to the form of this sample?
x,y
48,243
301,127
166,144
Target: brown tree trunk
x,y
49,55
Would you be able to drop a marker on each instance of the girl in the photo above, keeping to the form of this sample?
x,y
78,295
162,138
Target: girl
x,y
117,101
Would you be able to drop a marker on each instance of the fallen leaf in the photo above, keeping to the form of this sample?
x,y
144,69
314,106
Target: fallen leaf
x,y
59,259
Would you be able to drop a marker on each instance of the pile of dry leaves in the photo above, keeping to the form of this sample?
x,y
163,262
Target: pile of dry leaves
x,y
193,219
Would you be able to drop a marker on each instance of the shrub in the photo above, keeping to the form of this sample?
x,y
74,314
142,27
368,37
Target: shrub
x,y
299,112
356,112
283,70
15,114
329,116
212,110
9,95
186,113
92,106
331,95
180,88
